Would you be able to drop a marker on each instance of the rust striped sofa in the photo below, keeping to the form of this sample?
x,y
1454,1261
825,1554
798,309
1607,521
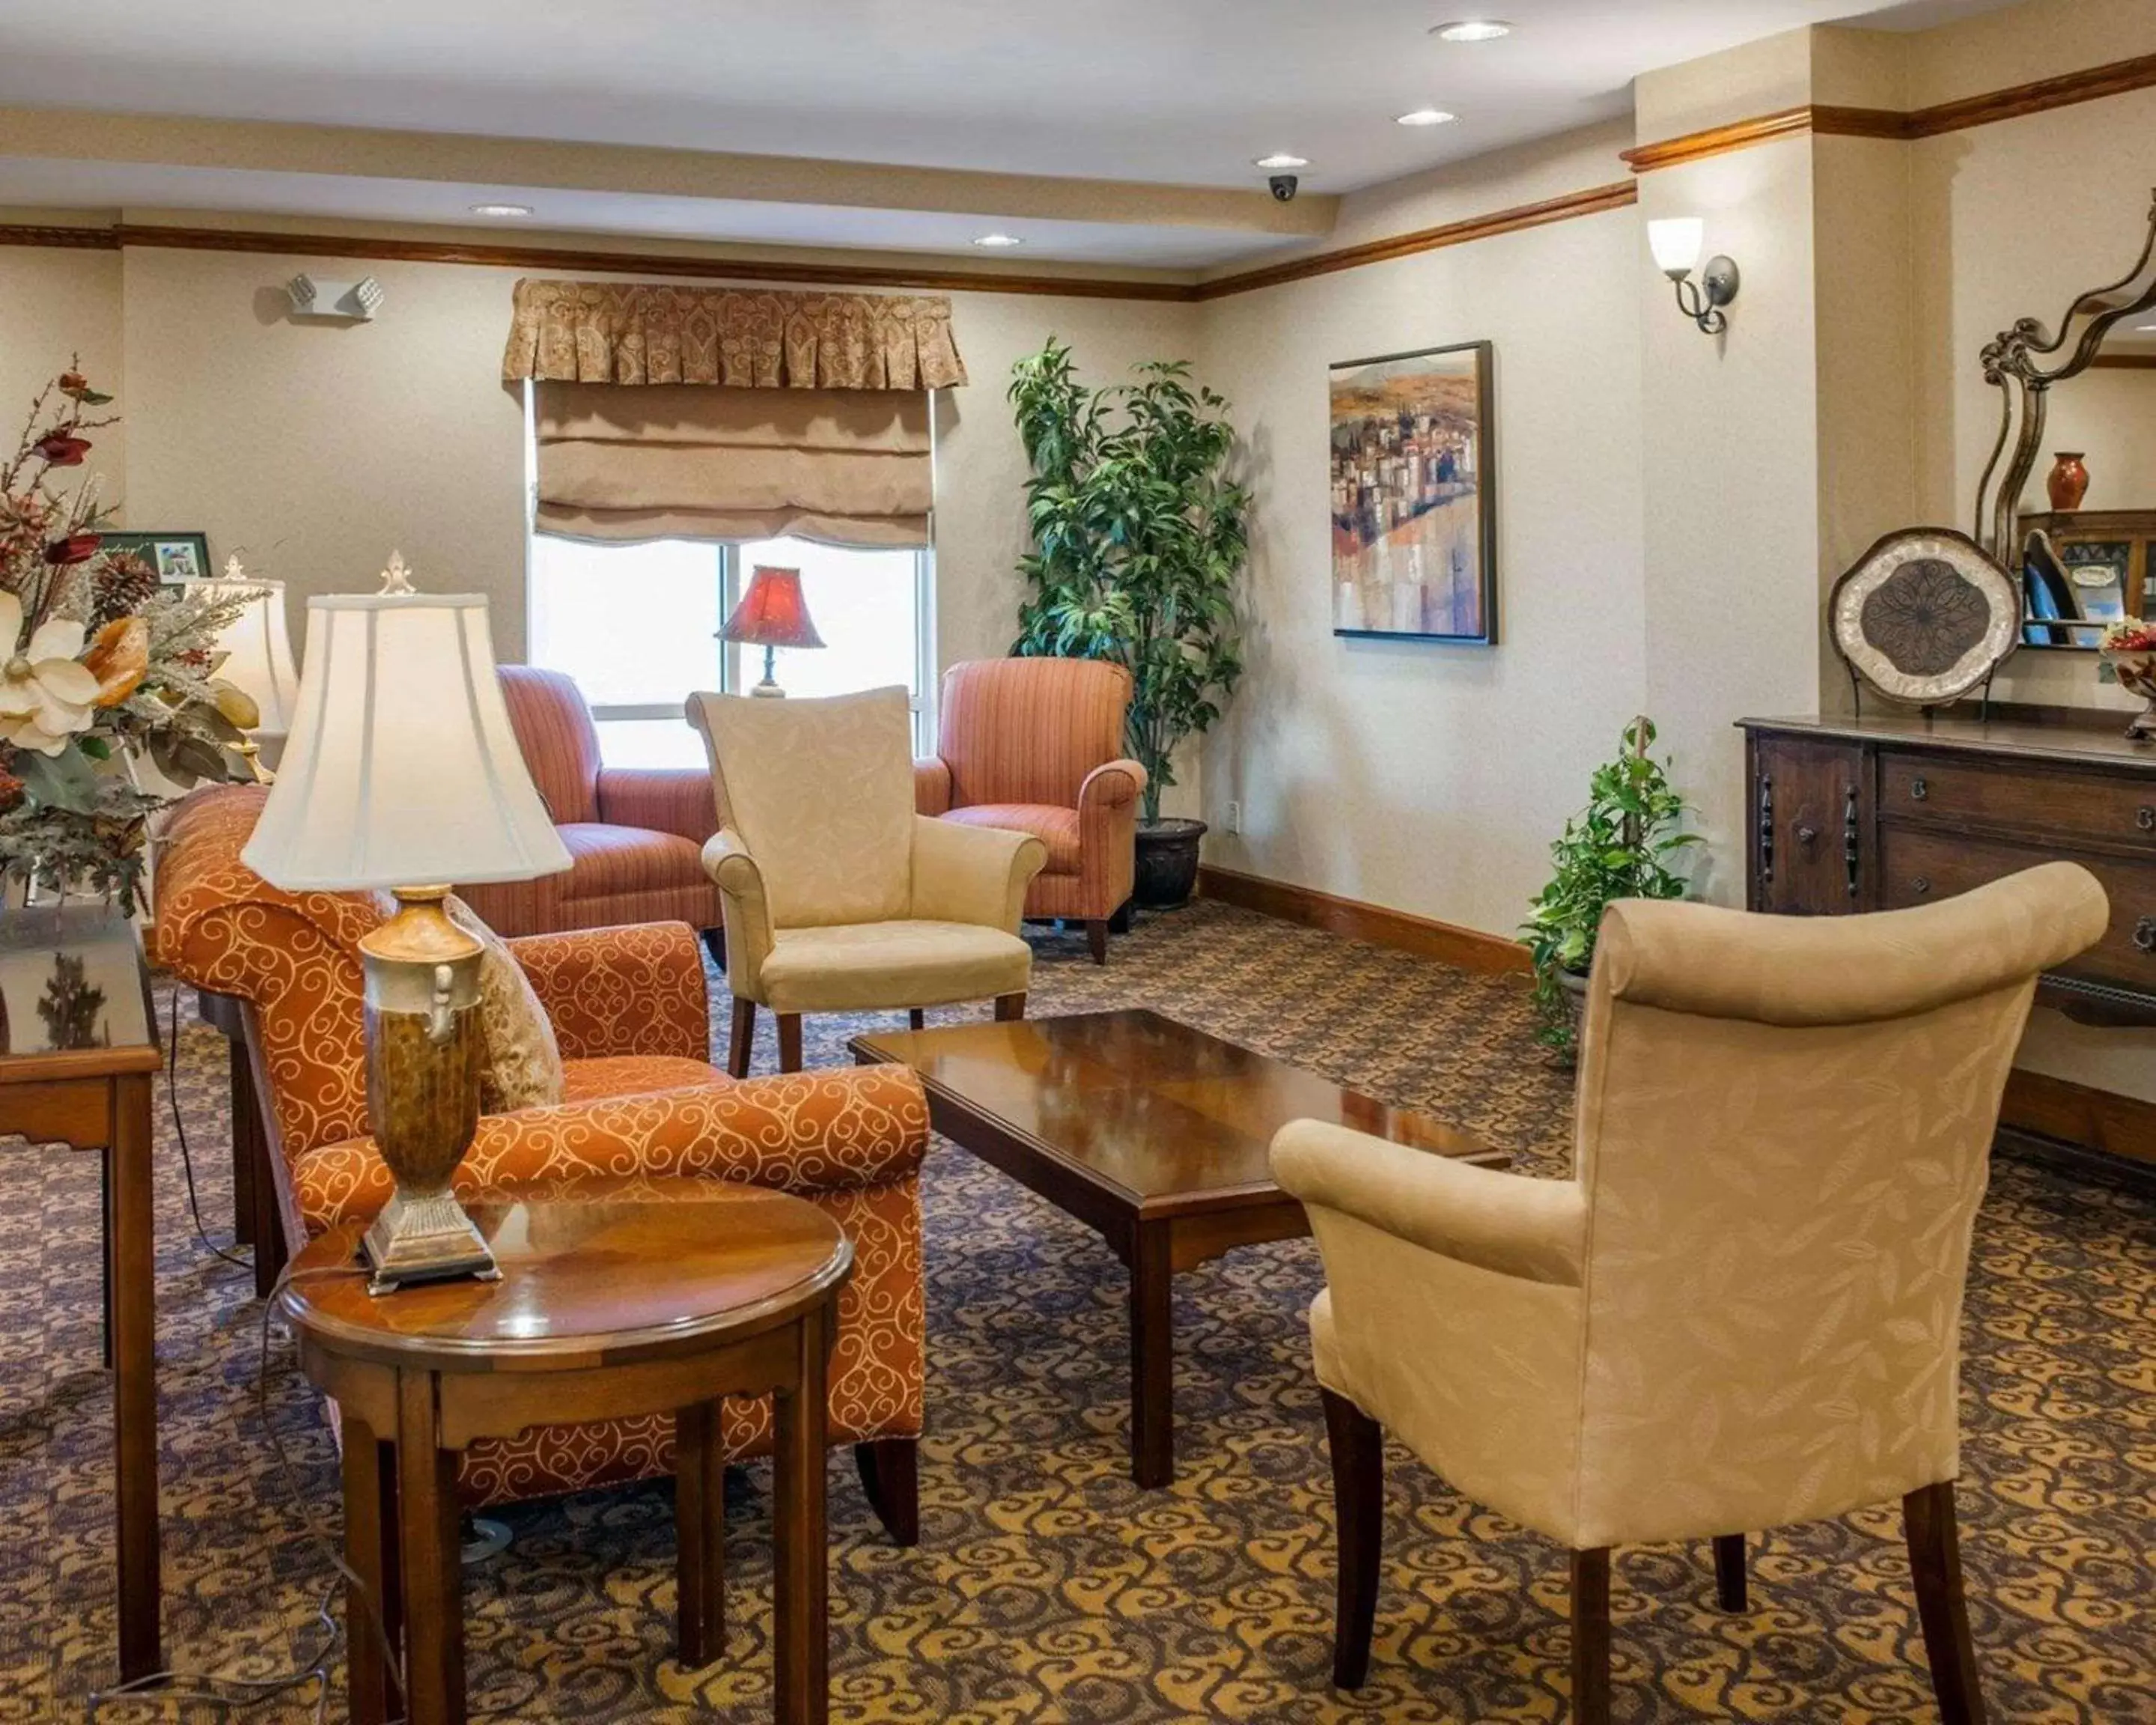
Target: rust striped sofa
x,y
637,835
629,1010
1036,745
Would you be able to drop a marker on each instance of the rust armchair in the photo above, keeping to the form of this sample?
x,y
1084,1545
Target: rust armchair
x,y
631,1015
1035,745
636,835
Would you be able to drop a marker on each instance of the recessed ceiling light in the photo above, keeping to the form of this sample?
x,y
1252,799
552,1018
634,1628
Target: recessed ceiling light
x,y
1424,116
998,241
1474,29
1280,158
501,209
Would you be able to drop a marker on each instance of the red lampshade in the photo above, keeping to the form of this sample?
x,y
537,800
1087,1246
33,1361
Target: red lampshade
x,y
771,613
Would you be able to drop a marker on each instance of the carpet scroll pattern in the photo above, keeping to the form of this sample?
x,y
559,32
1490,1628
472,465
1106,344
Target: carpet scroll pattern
x,y
1046,1587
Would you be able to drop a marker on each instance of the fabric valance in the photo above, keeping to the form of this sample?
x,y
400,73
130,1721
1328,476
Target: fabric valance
x,y
684,461
645,333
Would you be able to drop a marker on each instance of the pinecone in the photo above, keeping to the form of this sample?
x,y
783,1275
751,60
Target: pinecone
x,y
122,586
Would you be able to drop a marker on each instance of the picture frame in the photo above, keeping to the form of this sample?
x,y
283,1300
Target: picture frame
x,y
177,557
1414,479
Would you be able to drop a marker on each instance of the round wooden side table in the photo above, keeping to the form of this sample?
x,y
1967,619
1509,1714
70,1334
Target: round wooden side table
x,y
618,1297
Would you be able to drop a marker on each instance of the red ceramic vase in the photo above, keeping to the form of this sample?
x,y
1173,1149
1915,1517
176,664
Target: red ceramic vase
x,y
2069,481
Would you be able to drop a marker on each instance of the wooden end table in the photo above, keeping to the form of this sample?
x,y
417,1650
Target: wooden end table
x,y
618,1297
1154,1135
98,1097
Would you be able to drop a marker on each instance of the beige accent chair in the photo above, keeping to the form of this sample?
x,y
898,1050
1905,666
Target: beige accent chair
x,y
1746,1309
837,896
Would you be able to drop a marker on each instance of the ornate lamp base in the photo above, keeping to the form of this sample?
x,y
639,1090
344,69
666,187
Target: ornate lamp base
x,y
430,1239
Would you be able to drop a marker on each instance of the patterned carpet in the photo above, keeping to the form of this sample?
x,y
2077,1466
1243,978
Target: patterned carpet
x,y
1046,1587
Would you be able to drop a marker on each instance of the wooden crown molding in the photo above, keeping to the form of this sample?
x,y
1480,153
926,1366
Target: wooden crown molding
x,y
567,258
2114,78
1592,202
1469,948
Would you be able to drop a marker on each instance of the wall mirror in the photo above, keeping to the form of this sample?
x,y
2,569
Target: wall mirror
x,y
2068,498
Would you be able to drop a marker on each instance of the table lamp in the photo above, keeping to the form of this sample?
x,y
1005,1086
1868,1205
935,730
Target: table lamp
x,y
772,615
258,661
402,772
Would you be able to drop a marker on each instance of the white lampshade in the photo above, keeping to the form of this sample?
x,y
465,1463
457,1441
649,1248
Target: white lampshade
x,y
258,649
401,769
1676,242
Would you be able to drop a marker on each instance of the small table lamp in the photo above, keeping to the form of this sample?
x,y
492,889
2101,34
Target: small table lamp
x,y
402,771
772,615
258,661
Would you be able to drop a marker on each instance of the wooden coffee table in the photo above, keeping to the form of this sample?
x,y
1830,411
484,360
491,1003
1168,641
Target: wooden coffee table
x,y
616,1298
1153,1134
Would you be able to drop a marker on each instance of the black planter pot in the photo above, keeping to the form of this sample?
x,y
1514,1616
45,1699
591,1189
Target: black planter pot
x,y
1167,863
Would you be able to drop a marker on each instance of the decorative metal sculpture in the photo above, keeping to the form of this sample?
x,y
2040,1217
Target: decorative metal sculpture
x,y
2014,363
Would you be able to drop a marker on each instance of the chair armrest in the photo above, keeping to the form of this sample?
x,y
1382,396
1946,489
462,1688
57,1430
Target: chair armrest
x,y
1112,785
633,990
931,786
848,1129
676,799
968,874
1512,1223
745,905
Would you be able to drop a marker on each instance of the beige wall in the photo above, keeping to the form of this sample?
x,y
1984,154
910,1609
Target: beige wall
x,y
1425,777
312,449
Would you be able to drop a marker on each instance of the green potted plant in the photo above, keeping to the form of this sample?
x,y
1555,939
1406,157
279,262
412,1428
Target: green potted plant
x,y
1138,537
1618,846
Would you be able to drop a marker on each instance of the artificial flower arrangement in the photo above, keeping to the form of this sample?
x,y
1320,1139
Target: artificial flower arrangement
x,y
2129,649
104,668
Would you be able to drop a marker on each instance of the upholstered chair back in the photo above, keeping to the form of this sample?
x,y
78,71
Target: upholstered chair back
x,y
293,955
1783,1132
559,742
821,791
1029,730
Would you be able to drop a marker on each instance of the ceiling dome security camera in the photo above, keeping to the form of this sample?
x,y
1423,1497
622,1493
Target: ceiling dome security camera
x,y
1284,187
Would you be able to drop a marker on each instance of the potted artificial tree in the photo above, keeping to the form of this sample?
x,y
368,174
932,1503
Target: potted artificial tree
x,y
1618,847
1138,537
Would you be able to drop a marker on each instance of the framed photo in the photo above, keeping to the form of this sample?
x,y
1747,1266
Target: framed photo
x,y
1414,500
175,557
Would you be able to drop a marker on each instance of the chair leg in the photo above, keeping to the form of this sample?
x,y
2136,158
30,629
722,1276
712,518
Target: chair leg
x,y
1009,1007
1357,1447
715,943
890,1475
742,1038
1590,1637
1096,938
789,1041
1120,923
1927,1518
915,1019
1730,1592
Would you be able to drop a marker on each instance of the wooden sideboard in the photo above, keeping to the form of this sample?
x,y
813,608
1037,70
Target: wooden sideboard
x,y
1880,814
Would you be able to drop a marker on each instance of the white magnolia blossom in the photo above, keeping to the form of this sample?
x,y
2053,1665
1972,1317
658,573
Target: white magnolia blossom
x,y
47,694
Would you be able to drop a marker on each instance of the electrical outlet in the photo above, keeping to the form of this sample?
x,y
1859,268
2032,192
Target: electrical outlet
x,y
1234,817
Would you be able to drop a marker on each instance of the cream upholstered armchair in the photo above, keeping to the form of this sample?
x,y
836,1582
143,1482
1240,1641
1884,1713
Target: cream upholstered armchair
x,y
1745,1310
838,896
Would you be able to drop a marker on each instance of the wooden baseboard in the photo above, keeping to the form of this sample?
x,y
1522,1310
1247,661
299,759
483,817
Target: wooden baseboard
x,y
2078,1114
1469,948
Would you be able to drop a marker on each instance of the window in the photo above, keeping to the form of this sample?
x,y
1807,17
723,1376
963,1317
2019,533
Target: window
x,y
637,626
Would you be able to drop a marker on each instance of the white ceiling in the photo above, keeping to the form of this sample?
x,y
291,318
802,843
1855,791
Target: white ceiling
x,y
1174,91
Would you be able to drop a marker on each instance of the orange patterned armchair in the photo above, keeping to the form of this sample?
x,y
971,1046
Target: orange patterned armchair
x,y
1036,745
637,835
630,1012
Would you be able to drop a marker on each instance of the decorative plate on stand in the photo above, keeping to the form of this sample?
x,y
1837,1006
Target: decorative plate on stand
x,y
1925,615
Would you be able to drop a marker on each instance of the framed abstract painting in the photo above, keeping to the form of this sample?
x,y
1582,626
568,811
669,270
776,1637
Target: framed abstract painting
x,y
1415,501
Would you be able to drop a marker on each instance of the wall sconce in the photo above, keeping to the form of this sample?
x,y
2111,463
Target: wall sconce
x,y
348,301
1676,242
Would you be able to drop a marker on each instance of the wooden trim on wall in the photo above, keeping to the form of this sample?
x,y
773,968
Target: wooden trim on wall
x,y
1593,200
2123,362
90,240
2114,78
1469,948
2079,1114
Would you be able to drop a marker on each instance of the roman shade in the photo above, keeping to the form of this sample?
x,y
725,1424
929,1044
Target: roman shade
x,y
688,461
667,412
